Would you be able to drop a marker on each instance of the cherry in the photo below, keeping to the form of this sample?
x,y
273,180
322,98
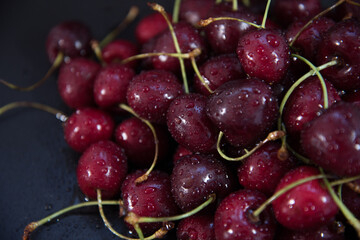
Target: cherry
x,y
150,26
245,110
332,139
200,227
351,199
353,97
193,11
111,84
306,103
189,125
263,170
118,50
264,54
151,198
218,70
72,38
102,166
306,206
195,177
288,11
138,141
180,152
76,81
151,92
233,217
87,126
342,42
223,35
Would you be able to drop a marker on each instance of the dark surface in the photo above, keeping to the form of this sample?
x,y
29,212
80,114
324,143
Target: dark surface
x,y
37,168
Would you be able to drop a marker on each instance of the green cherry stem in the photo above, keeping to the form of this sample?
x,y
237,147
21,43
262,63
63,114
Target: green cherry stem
x,y
246,3
344,180
176,11
58,114
218,1
56,64
347,213
266,14
205,22
198,74
161,10
235,6
34,225
271,137
353,3
156,140
258,211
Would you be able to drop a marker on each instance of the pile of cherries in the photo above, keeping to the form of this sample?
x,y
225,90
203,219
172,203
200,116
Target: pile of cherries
x,y
220,122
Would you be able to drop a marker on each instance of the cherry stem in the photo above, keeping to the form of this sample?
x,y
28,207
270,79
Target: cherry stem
x,y
194,53
198,74
34,225
176,11
353,186
313,19
298,156
322,81
246,3
205,22
257,212
57,62
353,3
132,218
161,10
347,213
344,180
132,14
271,137
156,140
218,1
58,114
235,5
97,50
266,14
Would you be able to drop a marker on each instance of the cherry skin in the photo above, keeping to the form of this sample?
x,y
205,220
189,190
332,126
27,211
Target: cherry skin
x,y
306,103
233,221
102,166
72,38
264,54
245,110
332,139
351,199
119,50
263,170
150,93
180,152
193,11
200,227
150,26
325,232
138,141
76,81
218,70
151,198
111,84
307,206
342,42
189,125
195,177
353,97
87,126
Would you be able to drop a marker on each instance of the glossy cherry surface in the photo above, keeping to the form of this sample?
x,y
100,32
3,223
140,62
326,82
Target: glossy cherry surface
x,y
118,50
200,227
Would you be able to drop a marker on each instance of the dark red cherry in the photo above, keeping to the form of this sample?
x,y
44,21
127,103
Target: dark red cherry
x,y
342,42
308,41
325,232
199,227
87,126
150,26
306,103
102,166
288,11
189,125
218,70
245,110
76,81
353,97
195,177
151,92
193,11
263,170
111,84
264,54
307,206
223,35
138,141
180,152
351,199
72,38
332,140
119,50
233,221
151,198
188,38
